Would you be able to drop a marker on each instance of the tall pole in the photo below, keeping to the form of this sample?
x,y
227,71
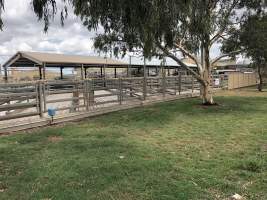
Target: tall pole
x,y
129,67
144,81
6,74
129,74
106,58
85,72
105,71
164,77
44,75
82,72
61,73
115,72
40,73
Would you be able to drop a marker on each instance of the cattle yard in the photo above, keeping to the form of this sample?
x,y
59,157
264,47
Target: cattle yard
x,y
28,103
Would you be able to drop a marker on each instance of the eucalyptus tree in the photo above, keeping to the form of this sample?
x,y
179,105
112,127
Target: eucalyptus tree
x,y
160,27
252,38
165,27
1,11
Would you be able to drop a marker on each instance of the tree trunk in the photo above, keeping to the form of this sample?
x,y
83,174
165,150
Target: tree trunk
x,y
206,88
207,97
260,85
206,93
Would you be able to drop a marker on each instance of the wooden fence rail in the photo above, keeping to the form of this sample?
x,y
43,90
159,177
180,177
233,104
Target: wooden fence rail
x,y
19,100
239,80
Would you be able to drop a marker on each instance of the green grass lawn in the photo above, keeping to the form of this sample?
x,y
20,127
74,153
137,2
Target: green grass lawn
x,y
169,151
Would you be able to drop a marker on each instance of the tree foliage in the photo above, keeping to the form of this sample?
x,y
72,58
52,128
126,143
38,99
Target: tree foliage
x,y
251,37
1,11
160,27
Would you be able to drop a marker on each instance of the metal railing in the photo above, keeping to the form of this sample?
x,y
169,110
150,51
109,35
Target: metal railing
x,y
18,100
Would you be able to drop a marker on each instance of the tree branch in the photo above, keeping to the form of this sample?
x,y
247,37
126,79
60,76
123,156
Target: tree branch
x,y
181,63
224,26
225,55
216,36
194,58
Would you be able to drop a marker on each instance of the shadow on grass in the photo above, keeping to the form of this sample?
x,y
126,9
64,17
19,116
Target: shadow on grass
x,y
97,159
163,113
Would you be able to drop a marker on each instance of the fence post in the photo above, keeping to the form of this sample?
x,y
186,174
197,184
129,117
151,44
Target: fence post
x,y
44,96
91,93
193,84
120,91
75,97
164,82
86,99
180,83
144,88
144,81
37,96
40,98
175,85
131,87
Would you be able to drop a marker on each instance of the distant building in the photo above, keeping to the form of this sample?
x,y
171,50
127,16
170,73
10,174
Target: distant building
x,y
230,64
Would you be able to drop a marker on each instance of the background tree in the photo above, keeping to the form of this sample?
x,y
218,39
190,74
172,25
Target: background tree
x,y
252,38
167,27
160,27
1,11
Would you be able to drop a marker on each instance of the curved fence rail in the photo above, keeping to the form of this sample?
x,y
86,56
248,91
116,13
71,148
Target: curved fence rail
x,y
33,99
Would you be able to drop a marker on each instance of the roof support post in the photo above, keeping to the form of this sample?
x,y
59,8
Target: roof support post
x,y
85,72
104,71
6,74
82,72
129,67
115,72
61,72
40,72
104,76
44,75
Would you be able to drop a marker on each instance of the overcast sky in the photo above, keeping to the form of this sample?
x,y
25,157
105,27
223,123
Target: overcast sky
x,y
23,32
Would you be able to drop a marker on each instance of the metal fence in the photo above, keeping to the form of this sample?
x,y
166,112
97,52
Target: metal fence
x,y
20,100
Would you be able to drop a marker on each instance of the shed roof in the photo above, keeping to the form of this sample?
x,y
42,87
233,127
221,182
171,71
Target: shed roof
x,y
27,59
32,59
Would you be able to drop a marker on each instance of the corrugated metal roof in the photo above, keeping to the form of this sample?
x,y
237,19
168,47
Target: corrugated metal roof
x,y
54,58
30,59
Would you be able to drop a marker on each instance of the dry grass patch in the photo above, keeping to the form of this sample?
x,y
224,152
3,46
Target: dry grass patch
x,y
55,139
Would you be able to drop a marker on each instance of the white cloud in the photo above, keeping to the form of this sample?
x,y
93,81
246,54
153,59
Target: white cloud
x,y
23,32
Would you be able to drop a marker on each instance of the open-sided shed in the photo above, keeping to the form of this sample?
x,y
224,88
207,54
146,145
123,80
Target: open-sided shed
x,y
43,61
51,60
